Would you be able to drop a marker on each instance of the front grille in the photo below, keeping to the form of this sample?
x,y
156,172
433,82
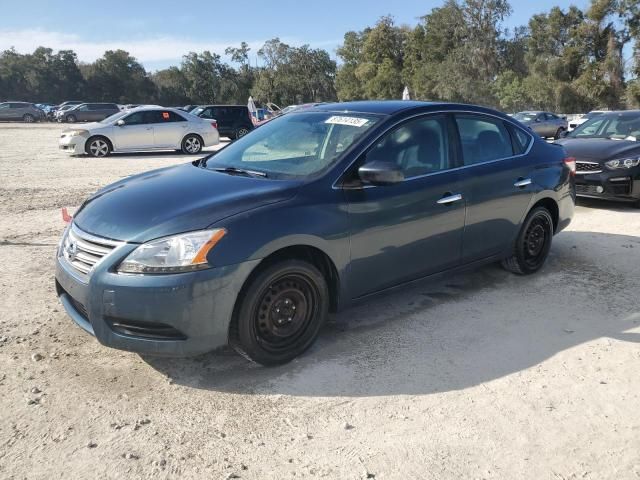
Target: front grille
x,y
588,167
84,251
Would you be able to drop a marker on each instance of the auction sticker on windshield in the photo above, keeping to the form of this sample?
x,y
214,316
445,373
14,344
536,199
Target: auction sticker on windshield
x,y
351,121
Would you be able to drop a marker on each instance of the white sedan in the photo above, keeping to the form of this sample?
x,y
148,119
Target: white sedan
x,y
140,129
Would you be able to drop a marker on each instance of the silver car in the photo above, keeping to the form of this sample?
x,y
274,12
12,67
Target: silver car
x,y
20,111
545,124
139,129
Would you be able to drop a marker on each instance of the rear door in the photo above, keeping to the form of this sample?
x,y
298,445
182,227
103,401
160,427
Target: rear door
x,y
497,182
136,133
168,128
410,229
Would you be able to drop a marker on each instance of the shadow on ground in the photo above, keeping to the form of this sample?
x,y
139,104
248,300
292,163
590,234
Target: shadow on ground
x,y
594,203
453,333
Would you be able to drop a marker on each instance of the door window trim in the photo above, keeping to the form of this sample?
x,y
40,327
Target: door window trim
x,y
336,185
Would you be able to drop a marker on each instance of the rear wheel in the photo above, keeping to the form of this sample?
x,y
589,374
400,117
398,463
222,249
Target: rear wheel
x,y
98,147
533,243
28,118
280,312
71,118
558,133
192,144
241,132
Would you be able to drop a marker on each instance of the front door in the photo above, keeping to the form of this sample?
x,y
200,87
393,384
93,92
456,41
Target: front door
x,y
136,133
410,229
498,183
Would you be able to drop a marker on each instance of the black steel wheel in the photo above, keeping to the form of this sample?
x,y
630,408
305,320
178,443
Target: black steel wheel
x,y
280,312
533,243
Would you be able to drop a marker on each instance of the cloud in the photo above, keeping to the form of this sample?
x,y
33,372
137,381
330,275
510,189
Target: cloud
x,y
150,50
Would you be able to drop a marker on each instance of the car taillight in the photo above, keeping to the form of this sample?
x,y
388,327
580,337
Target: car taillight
x,y
214,124
571,163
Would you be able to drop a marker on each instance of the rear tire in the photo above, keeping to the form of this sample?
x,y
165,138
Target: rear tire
x,y
533,243
98,147
191,144
558,134
71,119
241,132
280,312
28,118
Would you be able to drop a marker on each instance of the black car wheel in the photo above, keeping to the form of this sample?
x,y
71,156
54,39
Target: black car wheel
x,y
71,118
280,312
533,243
241,132
98,147
28,118
558,133
192,144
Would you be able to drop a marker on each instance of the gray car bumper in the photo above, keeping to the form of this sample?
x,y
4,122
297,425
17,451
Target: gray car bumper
x,y
174,315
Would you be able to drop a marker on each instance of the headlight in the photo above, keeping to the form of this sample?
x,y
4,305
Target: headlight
x,y
75,133
186,252
623,163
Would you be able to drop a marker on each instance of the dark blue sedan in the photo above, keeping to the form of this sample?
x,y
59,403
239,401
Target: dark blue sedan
x,y
254,245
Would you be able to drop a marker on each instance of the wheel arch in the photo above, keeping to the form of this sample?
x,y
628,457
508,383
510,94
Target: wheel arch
x,y
308,253
98,135
552,206
194,134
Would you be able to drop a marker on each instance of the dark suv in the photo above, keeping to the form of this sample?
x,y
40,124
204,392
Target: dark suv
x,y
24,111
234,121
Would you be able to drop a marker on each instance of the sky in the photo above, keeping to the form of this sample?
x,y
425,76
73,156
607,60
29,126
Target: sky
x,y
158,33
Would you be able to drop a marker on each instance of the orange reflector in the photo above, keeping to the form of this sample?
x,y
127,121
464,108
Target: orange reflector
x,y
201,256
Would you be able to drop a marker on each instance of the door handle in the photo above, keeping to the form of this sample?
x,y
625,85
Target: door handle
x,y
522,182
448,199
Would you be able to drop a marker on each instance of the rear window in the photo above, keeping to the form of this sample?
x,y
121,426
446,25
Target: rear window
x,y
521,140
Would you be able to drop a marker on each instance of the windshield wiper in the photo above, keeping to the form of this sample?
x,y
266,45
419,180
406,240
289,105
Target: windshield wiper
x,y
240,171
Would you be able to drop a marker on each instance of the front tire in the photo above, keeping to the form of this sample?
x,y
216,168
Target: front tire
x,y
558,134
192,144
241,132
533,243
28,118
98,147
280,313
71,119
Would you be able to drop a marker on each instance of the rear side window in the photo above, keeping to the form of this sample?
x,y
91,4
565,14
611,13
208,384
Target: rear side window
x,y
521,140
483,139
418,147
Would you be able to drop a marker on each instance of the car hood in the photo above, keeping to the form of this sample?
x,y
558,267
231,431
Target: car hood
x,y
87,126
175,200
598,148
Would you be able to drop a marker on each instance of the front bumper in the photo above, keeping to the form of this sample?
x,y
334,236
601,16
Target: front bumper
x,y
75,145
172,315
619,185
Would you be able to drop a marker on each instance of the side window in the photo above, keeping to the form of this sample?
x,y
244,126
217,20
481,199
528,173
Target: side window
x,y
483,139
173,117
418,147
4,105
136,118
521,140
83,108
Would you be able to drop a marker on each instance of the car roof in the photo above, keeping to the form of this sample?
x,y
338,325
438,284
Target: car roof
x,y
385,107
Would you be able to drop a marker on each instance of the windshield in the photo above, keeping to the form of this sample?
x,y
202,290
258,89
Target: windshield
x,y
525,116
617,126
295,145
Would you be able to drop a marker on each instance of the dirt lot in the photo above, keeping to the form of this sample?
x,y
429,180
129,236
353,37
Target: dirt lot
x,y
483,375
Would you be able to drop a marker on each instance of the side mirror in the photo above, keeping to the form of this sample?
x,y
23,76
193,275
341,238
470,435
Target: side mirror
x,y
381,173
120,123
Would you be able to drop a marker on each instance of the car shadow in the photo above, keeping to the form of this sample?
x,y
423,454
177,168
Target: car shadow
x,y
587,202
449,334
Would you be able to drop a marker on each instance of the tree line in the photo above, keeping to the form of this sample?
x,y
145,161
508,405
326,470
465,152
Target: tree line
x,y
565,60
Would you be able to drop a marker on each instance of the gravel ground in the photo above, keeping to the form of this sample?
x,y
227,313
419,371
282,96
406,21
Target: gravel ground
x,y
484,375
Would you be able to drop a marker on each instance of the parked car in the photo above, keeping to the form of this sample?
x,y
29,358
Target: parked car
x,y
20,111
573,124
607,153
234,121
88,112
144,128
545,124
52,114
256,243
